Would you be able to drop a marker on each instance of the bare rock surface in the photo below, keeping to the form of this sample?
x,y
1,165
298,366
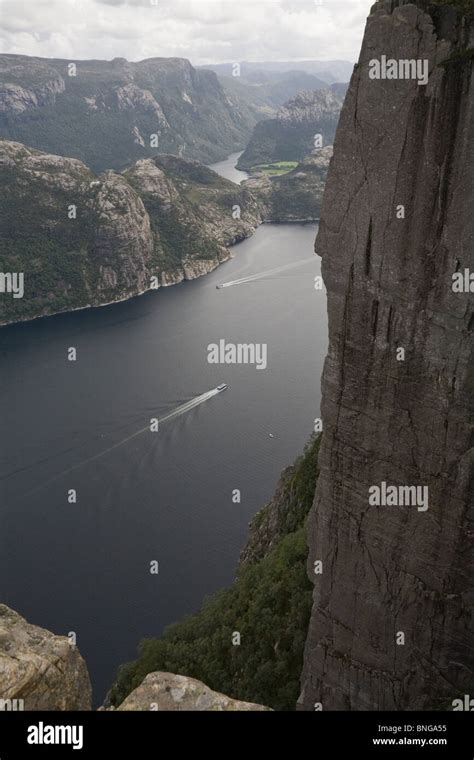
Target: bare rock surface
x,y
391,626
44,670
166,691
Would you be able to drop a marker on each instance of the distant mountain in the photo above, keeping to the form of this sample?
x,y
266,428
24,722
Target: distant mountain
x,y
258,93
327,71
107,114
259,101
82,239
290,135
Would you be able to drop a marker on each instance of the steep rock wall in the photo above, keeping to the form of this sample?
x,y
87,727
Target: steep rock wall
x,y
391,570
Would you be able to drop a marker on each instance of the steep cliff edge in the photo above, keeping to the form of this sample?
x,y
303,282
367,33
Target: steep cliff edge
x,y
391,624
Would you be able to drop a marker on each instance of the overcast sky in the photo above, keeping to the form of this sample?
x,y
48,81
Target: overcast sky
x,y
205,31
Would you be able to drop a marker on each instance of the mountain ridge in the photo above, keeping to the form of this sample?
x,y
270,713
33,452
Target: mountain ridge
x,y
134,110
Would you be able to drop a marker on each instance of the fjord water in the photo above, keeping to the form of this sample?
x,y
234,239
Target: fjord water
x,y
226,168
85,567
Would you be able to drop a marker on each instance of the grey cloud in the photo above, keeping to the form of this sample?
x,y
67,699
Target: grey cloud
x,y
205,31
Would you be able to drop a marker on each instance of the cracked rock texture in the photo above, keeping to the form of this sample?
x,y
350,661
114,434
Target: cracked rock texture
x,y
44,670
166,691
393,569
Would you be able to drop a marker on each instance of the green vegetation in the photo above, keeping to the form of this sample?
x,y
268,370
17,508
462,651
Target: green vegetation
x,y
53,275
275,169
269,605
39,240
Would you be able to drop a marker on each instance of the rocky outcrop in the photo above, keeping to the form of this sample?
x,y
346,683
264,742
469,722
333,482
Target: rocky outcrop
x,y
112,113
391,626
81,239
307,121
166,692
295,196
39,670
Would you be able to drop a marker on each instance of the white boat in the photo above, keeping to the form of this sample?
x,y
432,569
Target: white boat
x,y
222,387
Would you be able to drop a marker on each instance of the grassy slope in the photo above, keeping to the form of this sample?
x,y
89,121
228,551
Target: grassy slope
x,y
276,169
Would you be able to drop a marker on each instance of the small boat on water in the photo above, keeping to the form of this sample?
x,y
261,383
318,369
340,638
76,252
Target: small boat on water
x,y
270,435
222,387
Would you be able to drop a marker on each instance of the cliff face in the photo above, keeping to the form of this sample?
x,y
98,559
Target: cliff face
x,y
82,239
391,625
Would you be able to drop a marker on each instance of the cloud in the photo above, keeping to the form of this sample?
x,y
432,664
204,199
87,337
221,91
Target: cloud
x,y
206,31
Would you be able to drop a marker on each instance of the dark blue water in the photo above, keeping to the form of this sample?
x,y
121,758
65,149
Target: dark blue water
x,y
163,496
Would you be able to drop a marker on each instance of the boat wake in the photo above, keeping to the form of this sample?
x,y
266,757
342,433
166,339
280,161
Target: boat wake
x,y
177,412
266,273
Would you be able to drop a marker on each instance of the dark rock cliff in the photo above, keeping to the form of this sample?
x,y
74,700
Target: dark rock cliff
x,y
391,625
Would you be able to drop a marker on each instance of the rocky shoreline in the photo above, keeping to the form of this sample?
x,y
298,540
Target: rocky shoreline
x,y
93,240
168,280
